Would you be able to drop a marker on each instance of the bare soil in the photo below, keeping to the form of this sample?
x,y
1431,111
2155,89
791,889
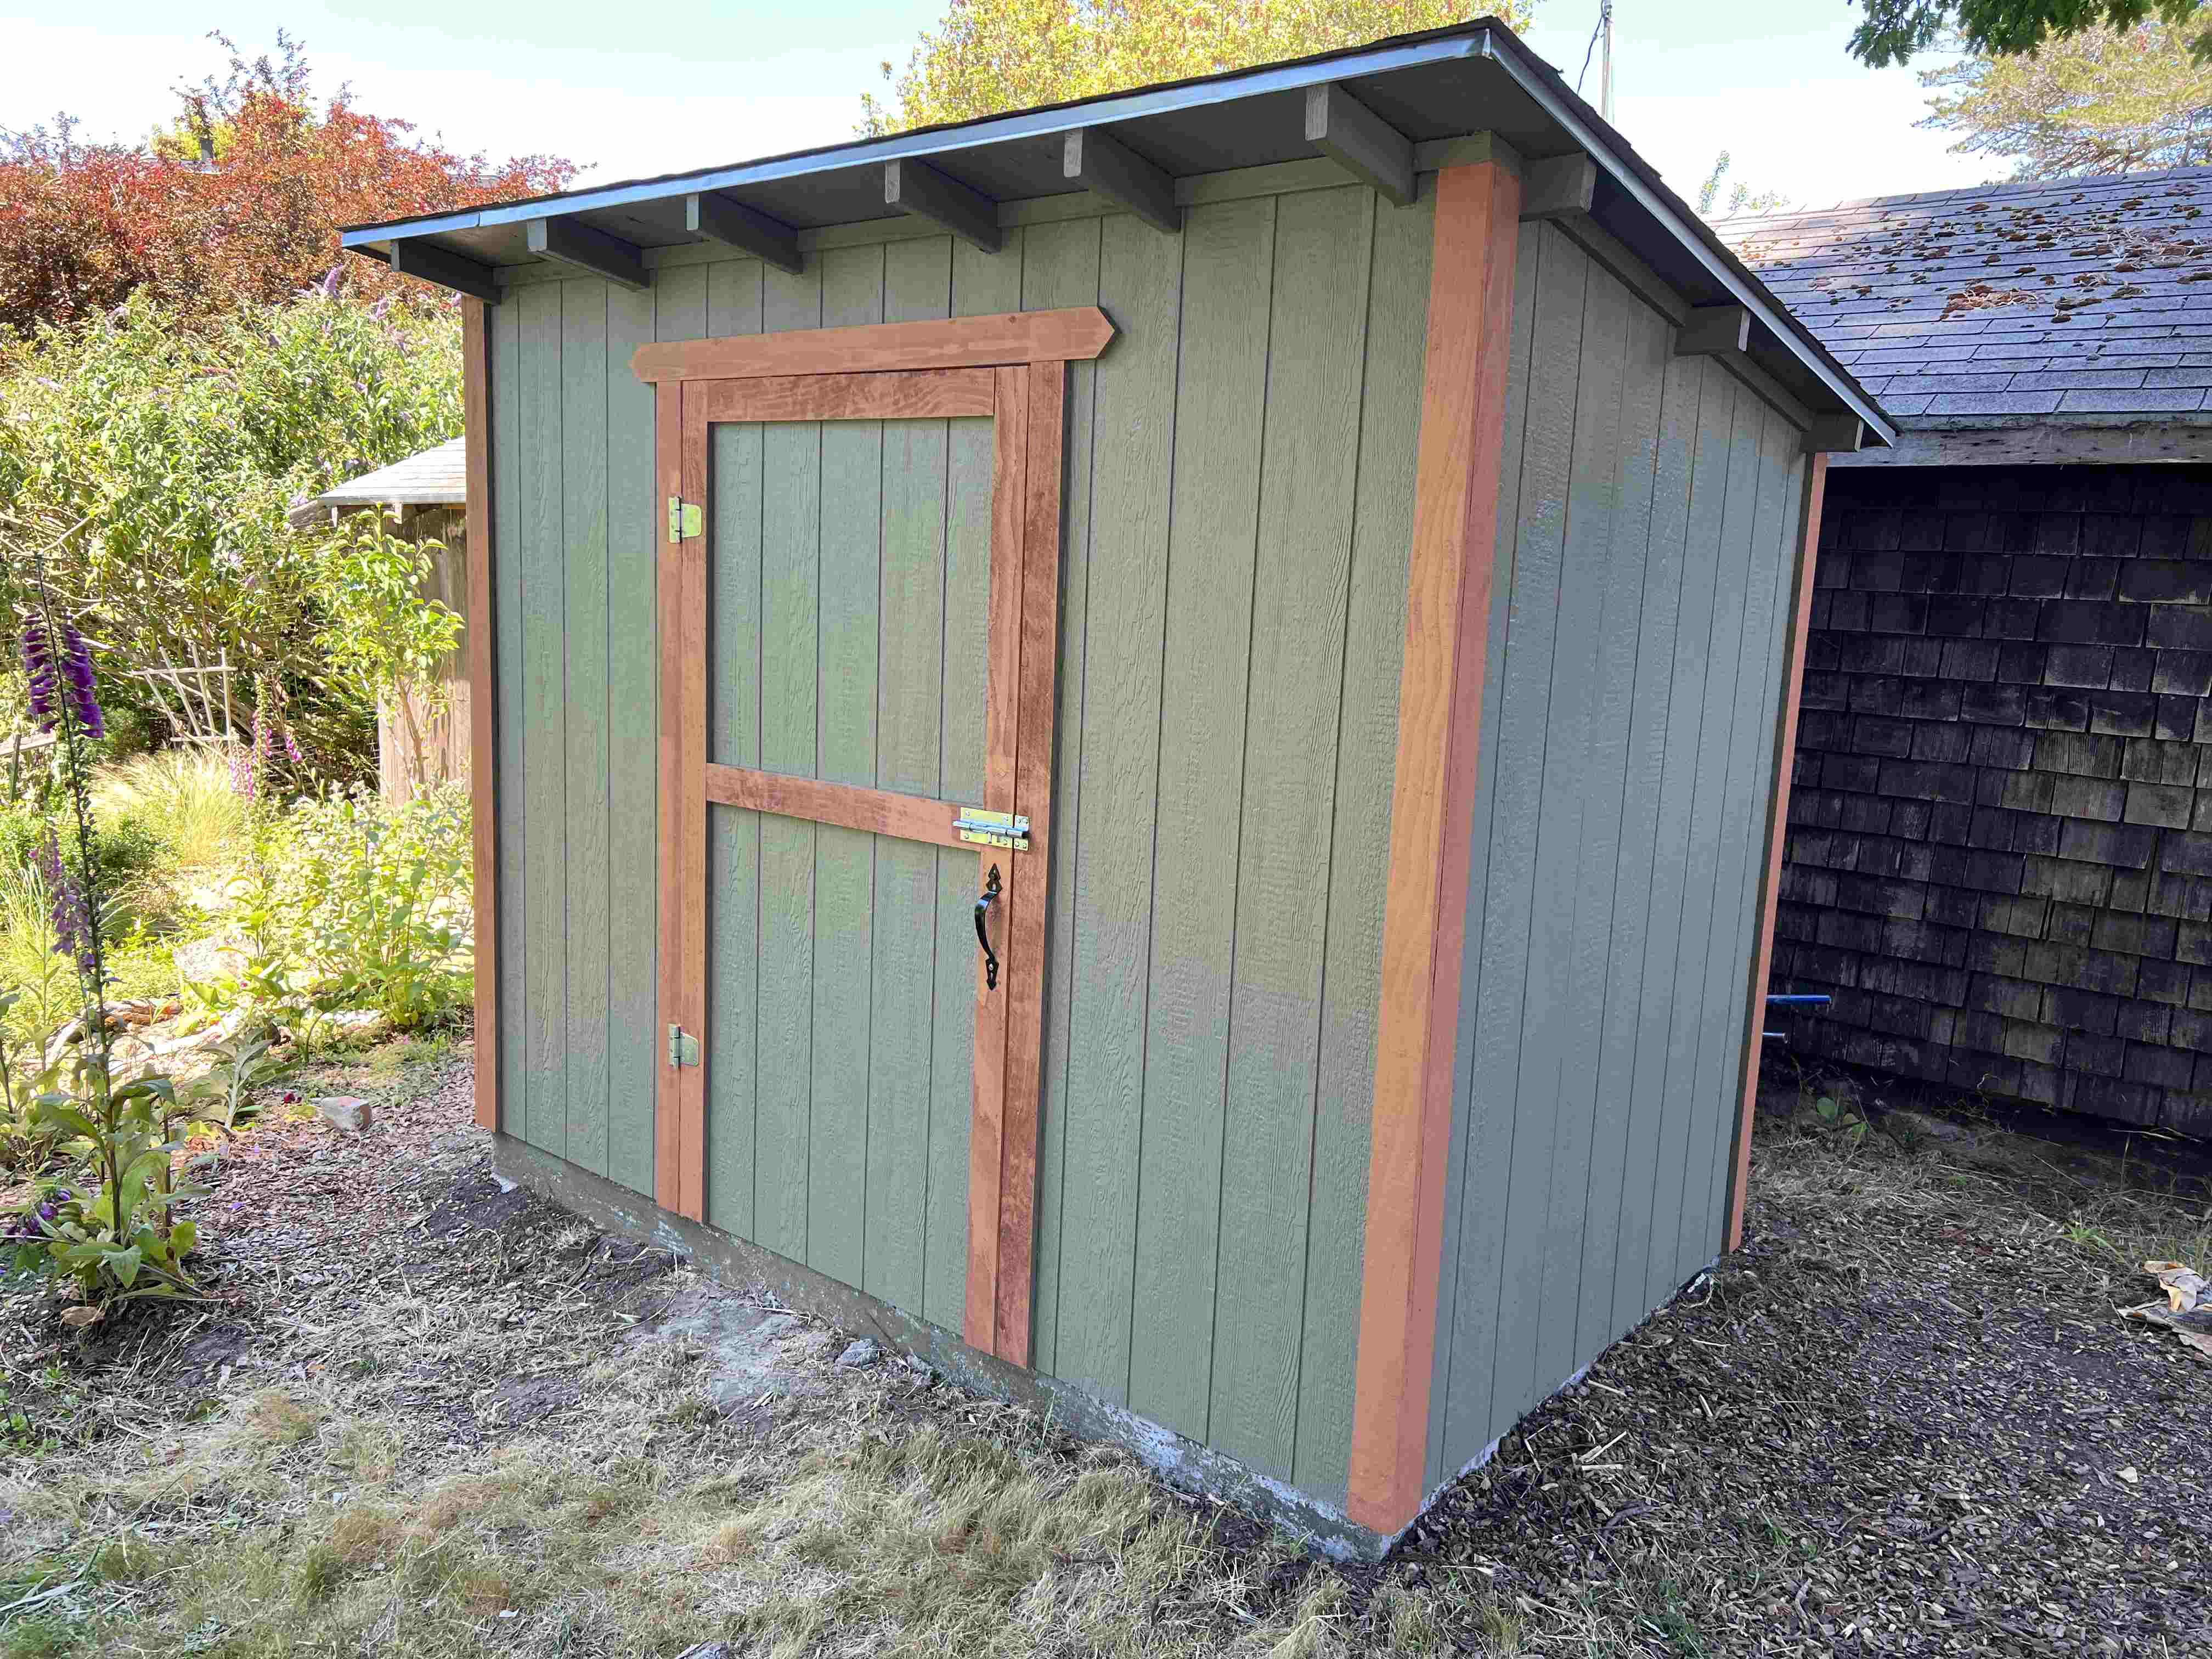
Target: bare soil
x,y
421,1415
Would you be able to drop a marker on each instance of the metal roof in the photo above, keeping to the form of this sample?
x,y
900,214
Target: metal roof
x,y
2076,302
1445,83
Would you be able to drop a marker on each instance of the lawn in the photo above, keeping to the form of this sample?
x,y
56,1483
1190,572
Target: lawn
x,y
421,1416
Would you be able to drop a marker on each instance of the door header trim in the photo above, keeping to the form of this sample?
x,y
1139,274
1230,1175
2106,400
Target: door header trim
x,y
1076,335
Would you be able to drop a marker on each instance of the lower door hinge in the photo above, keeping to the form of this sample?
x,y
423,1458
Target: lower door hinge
x,y
682,1047
684,520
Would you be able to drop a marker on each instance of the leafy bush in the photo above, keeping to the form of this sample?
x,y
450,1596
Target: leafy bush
x,y
356,904
155,465
184,796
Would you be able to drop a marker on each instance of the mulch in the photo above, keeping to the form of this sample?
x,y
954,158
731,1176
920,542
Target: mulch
x,y
1894,1423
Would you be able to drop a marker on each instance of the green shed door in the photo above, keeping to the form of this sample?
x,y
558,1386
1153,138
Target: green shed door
x,y
846,670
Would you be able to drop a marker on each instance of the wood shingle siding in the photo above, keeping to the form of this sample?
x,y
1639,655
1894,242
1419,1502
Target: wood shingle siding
x,y
1650,508
1999,863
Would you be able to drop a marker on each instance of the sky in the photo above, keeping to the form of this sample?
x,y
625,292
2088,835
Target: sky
x,y
1766,80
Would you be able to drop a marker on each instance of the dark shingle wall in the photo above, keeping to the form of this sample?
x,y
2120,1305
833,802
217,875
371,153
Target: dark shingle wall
x,y
2000,847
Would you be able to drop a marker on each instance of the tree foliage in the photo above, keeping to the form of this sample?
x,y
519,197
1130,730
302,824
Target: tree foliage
x,y
2105,100
238,200
1895,30
1741,197
986,56
158,461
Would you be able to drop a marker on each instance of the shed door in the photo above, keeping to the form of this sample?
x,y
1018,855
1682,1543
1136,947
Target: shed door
x,y
845,796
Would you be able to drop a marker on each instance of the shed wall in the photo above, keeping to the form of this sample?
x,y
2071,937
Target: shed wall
x,y
1647,523
1238,506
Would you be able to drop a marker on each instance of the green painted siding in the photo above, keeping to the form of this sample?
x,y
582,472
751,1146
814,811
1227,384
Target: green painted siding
x,y
1238,518
1649,514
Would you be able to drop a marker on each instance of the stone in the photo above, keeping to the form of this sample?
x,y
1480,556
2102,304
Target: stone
x,y
342,1111
779,1325
864,1352
1909,1126
709,1650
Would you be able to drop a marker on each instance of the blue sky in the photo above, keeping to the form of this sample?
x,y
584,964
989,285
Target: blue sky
x,y
1769,81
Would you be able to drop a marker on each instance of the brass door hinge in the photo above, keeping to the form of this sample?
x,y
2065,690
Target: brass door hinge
x,y
683,1048
684,520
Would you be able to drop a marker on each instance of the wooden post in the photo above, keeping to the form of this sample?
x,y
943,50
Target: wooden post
x,y
1777,832
1432,812
481,642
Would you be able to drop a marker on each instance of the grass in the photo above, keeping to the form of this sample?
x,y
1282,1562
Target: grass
x,y
184,796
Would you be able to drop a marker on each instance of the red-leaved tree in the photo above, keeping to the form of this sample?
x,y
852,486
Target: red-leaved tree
x,y
239,198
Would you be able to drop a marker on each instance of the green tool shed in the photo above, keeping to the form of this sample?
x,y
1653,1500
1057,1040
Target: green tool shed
x,y
1139,744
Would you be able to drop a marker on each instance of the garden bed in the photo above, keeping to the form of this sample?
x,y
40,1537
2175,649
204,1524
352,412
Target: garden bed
x,y
424,1416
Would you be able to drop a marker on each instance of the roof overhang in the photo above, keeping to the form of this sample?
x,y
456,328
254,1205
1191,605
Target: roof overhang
x,y
1405,100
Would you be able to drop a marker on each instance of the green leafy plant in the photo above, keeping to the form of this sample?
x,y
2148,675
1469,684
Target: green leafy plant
x,y
1835,1114
382,632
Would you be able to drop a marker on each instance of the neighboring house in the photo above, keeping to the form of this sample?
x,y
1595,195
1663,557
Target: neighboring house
x,y
425,740
2000,854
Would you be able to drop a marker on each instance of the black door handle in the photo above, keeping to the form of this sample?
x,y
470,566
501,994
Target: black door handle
x,y
983,937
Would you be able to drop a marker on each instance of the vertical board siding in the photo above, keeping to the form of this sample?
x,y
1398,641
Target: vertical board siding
x,y
1610,912
586,861
1236,521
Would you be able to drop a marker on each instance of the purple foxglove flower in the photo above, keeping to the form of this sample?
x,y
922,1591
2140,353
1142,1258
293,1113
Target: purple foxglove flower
x,y
76,669
38,670
71,913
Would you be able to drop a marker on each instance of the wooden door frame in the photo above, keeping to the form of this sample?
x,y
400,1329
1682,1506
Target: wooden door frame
x,y
1014,368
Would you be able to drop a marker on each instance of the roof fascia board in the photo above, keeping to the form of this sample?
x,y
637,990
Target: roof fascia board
x,y
1601,148
948,141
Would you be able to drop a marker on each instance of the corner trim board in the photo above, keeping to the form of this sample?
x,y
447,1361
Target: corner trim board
x,y
1778,826
1449,599
484,699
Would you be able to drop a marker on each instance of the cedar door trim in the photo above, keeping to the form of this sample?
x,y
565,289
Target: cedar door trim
x,y
1076,335
1014,368
1447,603
483,702
1777,831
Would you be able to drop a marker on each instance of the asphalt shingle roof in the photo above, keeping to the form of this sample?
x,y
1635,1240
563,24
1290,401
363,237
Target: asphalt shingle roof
x,y
2062,301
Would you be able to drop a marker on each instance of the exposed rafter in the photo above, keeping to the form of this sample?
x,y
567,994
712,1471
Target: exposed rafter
x,y
1835,435
917,188
572,242
1360,142
433,264
1557,185
1105,167
718,219
1711,330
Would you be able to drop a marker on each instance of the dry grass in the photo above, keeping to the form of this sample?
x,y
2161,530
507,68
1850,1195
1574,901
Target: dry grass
x,y
434,1429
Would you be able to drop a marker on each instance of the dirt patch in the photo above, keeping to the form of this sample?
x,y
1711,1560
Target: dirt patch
x,y
425,1416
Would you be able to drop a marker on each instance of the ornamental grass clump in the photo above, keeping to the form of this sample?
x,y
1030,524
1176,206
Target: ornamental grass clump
x,y
115,1238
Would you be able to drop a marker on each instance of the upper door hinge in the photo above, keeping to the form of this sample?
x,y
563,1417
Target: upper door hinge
x,y
683,1048
684,520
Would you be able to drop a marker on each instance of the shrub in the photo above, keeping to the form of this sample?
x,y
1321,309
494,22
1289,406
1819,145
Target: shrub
x,y
356,904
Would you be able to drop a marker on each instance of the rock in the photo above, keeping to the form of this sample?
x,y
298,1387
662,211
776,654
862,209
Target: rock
x,y
783,1324
864,1352
1905,1125
344,1111
709,1650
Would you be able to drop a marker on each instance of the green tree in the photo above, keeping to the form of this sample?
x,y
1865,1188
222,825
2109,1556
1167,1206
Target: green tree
x,y
2104,100
1895,30
986,56
1741,197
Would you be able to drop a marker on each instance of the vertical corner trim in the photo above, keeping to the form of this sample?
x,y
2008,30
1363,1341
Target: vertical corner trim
x,y
1449,598
668,958
484,698
1777,829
